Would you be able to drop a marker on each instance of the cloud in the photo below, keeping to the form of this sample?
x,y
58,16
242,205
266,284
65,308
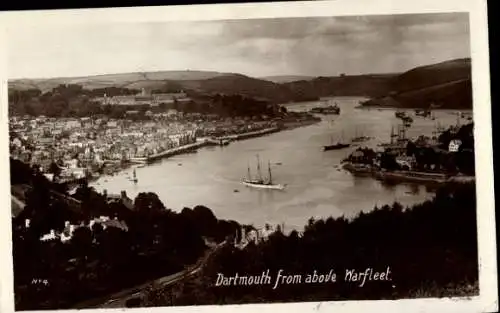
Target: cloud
x,y
257,47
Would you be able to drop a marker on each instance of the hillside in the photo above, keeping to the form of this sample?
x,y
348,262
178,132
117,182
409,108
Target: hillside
x,y
108,80
248,86
446,85
280,79
433,75
360,85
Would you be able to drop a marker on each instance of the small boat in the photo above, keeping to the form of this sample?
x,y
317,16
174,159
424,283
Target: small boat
x,y
223,142
179,164
236,190
400,114
336,146
134,179
259,182
422,113
407,119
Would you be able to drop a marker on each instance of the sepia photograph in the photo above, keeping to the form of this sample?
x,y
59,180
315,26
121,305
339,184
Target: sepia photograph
x,y
257,160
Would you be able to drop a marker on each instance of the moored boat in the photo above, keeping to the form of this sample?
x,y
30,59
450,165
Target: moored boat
x,y
400,114
134,179
336,146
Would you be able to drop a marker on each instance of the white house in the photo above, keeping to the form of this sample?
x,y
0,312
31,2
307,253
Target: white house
x,y
454,145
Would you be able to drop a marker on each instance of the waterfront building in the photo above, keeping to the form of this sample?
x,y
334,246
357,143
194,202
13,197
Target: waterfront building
x,y
454,145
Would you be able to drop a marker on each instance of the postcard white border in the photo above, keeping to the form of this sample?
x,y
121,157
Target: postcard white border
x,y
487,300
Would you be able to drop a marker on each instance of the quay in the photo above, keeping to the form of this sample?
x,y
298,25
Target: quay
x,y
202,143
171,152
250,134
408,176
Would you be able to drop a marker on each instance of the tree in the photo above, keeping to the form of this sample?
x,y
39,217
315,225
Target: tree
x,y
54,169
148,203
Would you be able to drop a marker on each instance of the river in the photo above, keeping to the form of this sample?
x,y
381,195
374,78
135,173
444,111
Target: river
x,y
316,187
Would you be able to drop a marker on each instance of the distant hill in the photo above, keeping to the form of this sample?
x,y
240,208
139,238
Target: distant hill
x,y
433,75
286,78
372,85
109,80
244,85
445,84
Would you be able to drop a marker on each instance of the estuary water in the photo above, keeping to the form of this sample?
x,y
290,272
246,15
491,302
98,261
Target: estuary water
x,y
316,186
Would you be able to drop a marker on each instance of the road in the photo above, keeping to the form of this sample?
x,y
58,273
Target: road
x,y
119,299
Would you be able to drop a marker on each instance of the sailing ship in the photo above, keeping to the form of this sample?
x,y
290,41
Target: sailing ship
x,y
336,146
392,142
259,181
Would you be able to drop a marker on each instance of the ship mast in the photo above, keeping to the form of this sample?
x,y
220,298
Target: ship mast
x,y
258,168
248,174
270,175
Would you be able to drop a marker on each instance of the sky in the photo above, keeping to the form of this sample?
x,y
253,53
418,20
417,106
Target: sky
x,y
312,46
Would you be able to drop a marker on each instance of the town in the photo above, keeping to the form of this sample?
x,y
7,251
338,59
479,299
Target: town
x,y
69,148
